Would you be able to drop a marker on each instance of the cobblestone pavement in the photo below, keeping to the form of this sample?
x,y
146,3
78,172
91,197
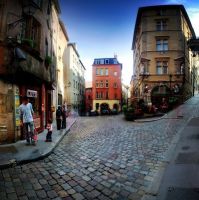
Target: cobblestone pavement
x,y
101,158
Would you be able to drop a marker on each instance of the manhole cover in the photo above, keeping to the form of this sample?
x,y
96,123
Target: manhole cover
x,y
183,194
10,149
194,122
188,158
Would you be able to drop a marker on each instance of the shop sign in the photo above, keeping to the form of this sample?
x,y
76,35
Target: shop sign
x,y
32,93
17,114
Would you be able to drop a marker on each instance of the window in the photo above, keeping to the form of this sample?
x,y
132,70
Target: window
x,y
31,32
106,83
97,71
101,84
97,84
161,25
115,73
101,72
115,85
106,72
106,94
162,45
162,67
99,95
106,61
115,95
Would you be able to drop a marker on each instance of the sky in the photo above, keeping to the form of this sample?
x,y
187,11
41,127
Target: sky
x,y
103,28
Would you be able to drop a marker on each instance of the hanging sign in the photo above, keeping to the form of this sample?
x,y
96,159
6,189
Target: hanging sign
x,y
31,93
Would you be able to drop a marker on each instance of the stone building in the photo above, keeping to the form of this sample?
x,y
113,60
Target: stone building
x,y
107,88
88,96
27,63
163,64
75,81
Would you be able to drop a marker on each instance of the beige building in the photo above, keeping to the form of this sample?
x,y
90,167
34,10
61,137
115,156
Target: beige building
x,y
163,64
75,81
60,41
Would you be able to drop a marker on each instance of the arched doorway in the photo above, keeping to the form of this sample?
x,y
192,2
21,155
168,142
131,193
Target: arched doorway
x,y
158,93
116,107
104,109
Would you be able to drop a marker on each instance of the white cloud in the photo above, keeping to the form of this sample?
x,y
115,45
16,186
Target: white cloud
x,y
194,17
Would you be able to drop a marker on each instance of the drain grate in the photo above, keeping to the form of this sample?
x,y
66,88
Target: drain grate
x,y
183,194
187,158
194,122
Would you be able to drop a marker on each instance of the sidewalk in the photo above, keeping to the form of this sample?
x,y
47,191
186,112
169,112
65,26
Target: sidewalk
x,y
15,153
179,177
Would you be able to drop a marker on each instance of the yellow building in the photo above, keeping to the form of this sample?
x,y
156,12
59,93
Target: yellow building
x,y
162,60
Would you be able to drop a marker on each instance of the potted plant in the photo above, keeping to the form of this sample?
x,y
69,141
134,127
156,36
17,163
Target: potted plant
x,y
130,114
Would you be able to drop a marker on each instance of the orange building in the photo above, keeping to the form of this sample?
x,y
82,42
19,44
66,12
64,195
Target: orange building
x,y
88,96
107,90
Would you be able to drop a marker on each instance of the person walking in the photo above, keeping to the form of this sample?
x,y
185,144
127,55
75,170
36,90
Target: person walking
x,y
49,133
64,115
58,117
26,117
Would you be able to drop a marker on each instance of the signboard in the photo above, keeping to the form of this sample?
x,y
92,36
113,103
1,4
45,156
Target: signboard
x,y
17,114
31,93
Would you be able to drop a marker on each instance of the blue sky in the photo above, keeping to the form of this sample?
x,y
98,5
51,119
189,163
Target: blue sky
x,y
102,28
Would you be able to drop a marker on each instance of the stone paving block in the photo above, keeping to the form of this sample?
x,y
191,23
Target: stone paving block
x,y
51,194
66,186
71,191
62,193
78,196
41,194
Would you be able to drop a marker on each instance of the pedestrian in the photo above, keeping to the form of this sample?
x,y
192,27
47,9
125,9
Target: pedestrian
x,y
64,115
59,117
26,117
49,133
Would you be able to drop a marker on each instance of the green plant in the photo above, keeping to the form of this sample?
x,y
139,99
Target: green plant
x,y
48,60
124,108
29,42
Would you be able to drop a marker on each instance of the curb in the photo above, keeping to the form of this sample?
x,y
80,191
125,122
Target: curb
x,y
150,120
14,162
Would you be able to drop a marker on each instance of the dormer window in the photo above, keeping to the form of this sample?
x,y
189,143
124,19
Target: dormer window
x,y
106,61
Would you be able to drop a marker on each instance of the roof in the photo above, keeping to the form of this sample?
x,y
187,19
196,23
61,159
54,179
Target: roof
x,y
73,45
142,9
111,61
82,64
63,29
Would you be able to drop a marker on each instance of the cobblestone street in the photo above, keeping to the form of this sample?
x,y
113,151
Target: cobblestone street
x,y
100,158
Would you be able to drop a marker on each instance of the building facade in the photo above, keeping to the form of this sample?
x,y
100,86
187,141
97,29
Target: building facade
x,y
75,81
89,96
163,65
27,65
107,89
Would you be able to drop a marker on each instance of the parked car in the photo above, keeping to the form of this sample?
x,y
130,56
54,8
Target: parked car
x,y
105,112
93,113
114,111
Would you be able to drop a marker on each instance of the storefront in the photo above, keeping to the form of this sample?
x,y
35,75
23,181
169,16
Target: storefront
x,y
36,95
